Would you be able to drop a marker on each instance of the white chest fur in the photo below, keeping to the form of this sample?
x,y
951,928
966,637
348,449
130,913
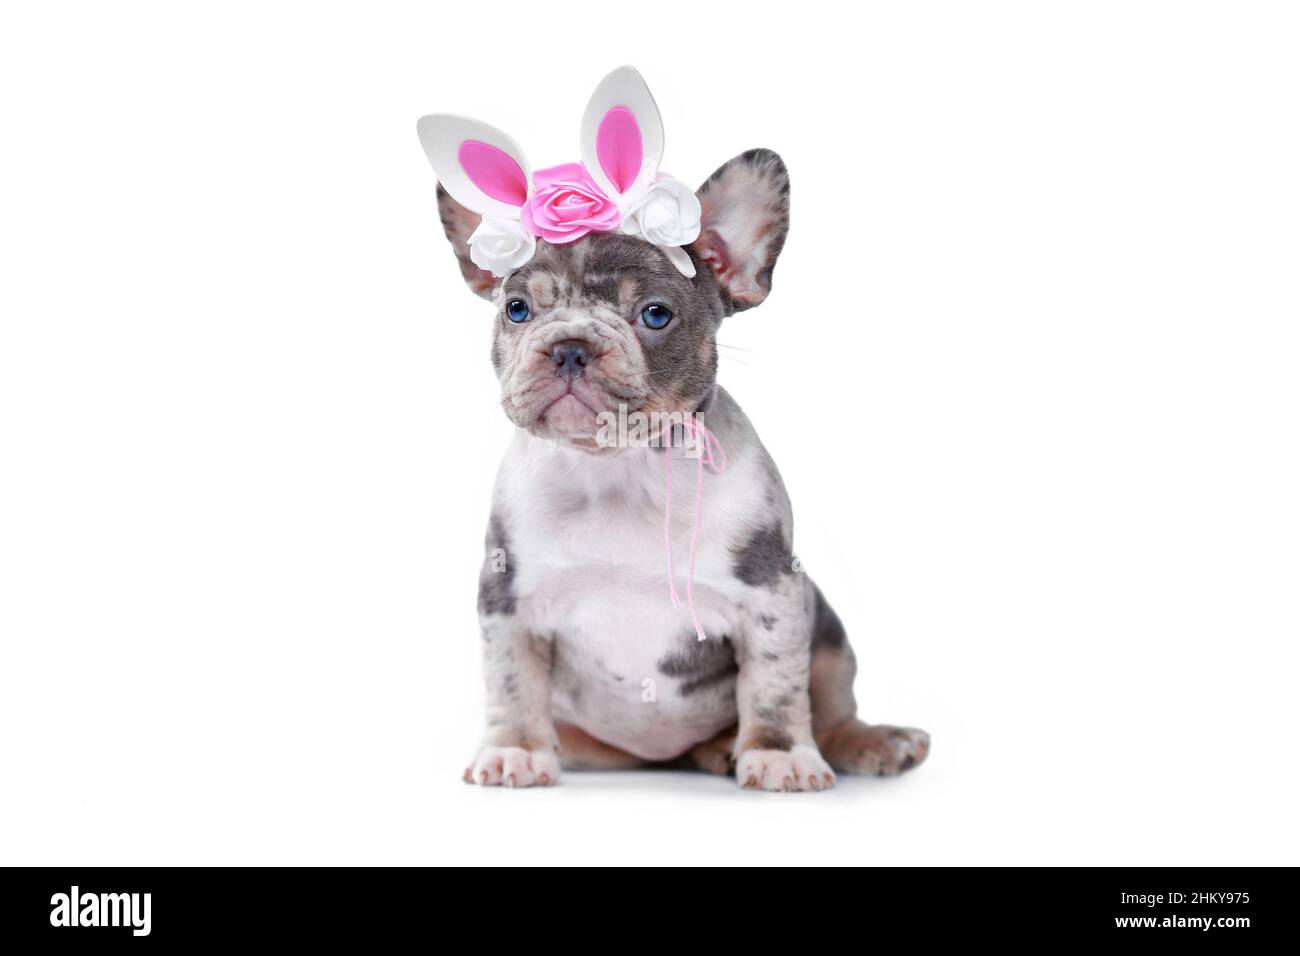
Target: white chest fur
x,y
587,544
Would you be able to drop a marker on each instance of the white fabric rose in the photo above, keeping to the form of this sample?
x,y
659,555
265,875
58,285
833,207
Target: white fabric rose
x,y
667,214
500,246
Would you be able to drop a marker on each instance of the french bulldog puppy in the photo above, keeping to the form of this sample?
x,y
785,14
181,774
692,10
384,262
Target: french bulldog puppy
x,y
587,663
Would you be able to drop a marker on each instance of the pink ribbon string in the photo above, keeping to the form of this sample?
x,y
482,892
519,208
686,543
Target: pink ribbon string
x,y
711,455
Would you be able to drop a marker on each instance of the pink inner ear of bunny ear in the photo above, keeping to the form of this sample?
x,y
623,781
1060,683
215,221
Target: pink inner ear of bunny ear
x,y
618,147
493,171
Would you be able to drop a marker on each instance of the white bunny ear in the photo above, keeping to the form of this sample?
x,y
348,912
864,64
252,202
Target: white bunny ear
x,y
482,167
622,136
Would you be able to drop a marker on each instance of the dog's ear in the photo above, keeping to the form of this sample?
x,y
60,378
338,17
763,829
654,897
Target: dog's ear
x,y
459,223
746,214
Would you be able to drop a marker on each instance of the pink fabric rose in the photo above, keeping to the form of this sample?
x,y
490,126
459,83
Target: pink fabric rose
x,y
566,204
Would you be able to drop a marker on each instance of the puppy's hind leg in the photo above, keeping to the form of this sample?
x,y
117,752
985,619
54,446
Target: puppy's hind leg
x,y
879,749
581,751
714,755
849,744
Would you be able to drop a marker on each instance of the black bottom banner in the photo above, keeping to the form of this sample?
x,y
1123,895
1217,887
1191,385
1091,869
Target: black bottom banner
x,y
1225,909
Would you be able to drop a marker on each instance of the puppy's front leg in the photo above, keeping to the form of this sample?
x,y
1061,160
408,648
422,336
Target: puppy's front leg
x,y
519,747
775,749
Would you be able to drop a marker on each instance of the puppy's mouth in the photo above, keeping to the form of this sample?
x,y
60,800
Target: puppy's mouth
x,y
564,410
570,415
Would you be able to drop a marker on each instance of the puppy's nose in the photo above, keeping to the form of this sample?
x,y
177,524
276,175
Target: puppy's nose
x,y
570,358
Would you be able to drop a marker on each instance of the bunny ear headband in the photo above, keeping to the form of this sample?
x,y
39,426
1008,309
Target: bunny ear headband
x,y
616,186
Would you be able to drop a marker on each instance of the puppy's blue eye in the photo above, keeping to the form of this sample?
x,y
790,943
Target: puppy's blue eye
x,y
517,310
656,316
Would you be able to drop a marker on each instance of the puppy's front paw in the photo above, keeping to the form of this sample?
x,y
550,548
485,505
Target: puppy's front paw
x,y
799,768
513,767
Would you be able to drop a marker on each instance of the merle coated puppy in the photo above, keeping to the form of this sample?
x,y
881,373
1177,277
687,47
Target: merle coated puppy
x,y
587,663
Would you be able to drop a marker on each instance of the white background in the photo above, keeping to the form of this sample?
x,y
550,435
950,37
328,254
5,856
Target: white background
x,y
1029,368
